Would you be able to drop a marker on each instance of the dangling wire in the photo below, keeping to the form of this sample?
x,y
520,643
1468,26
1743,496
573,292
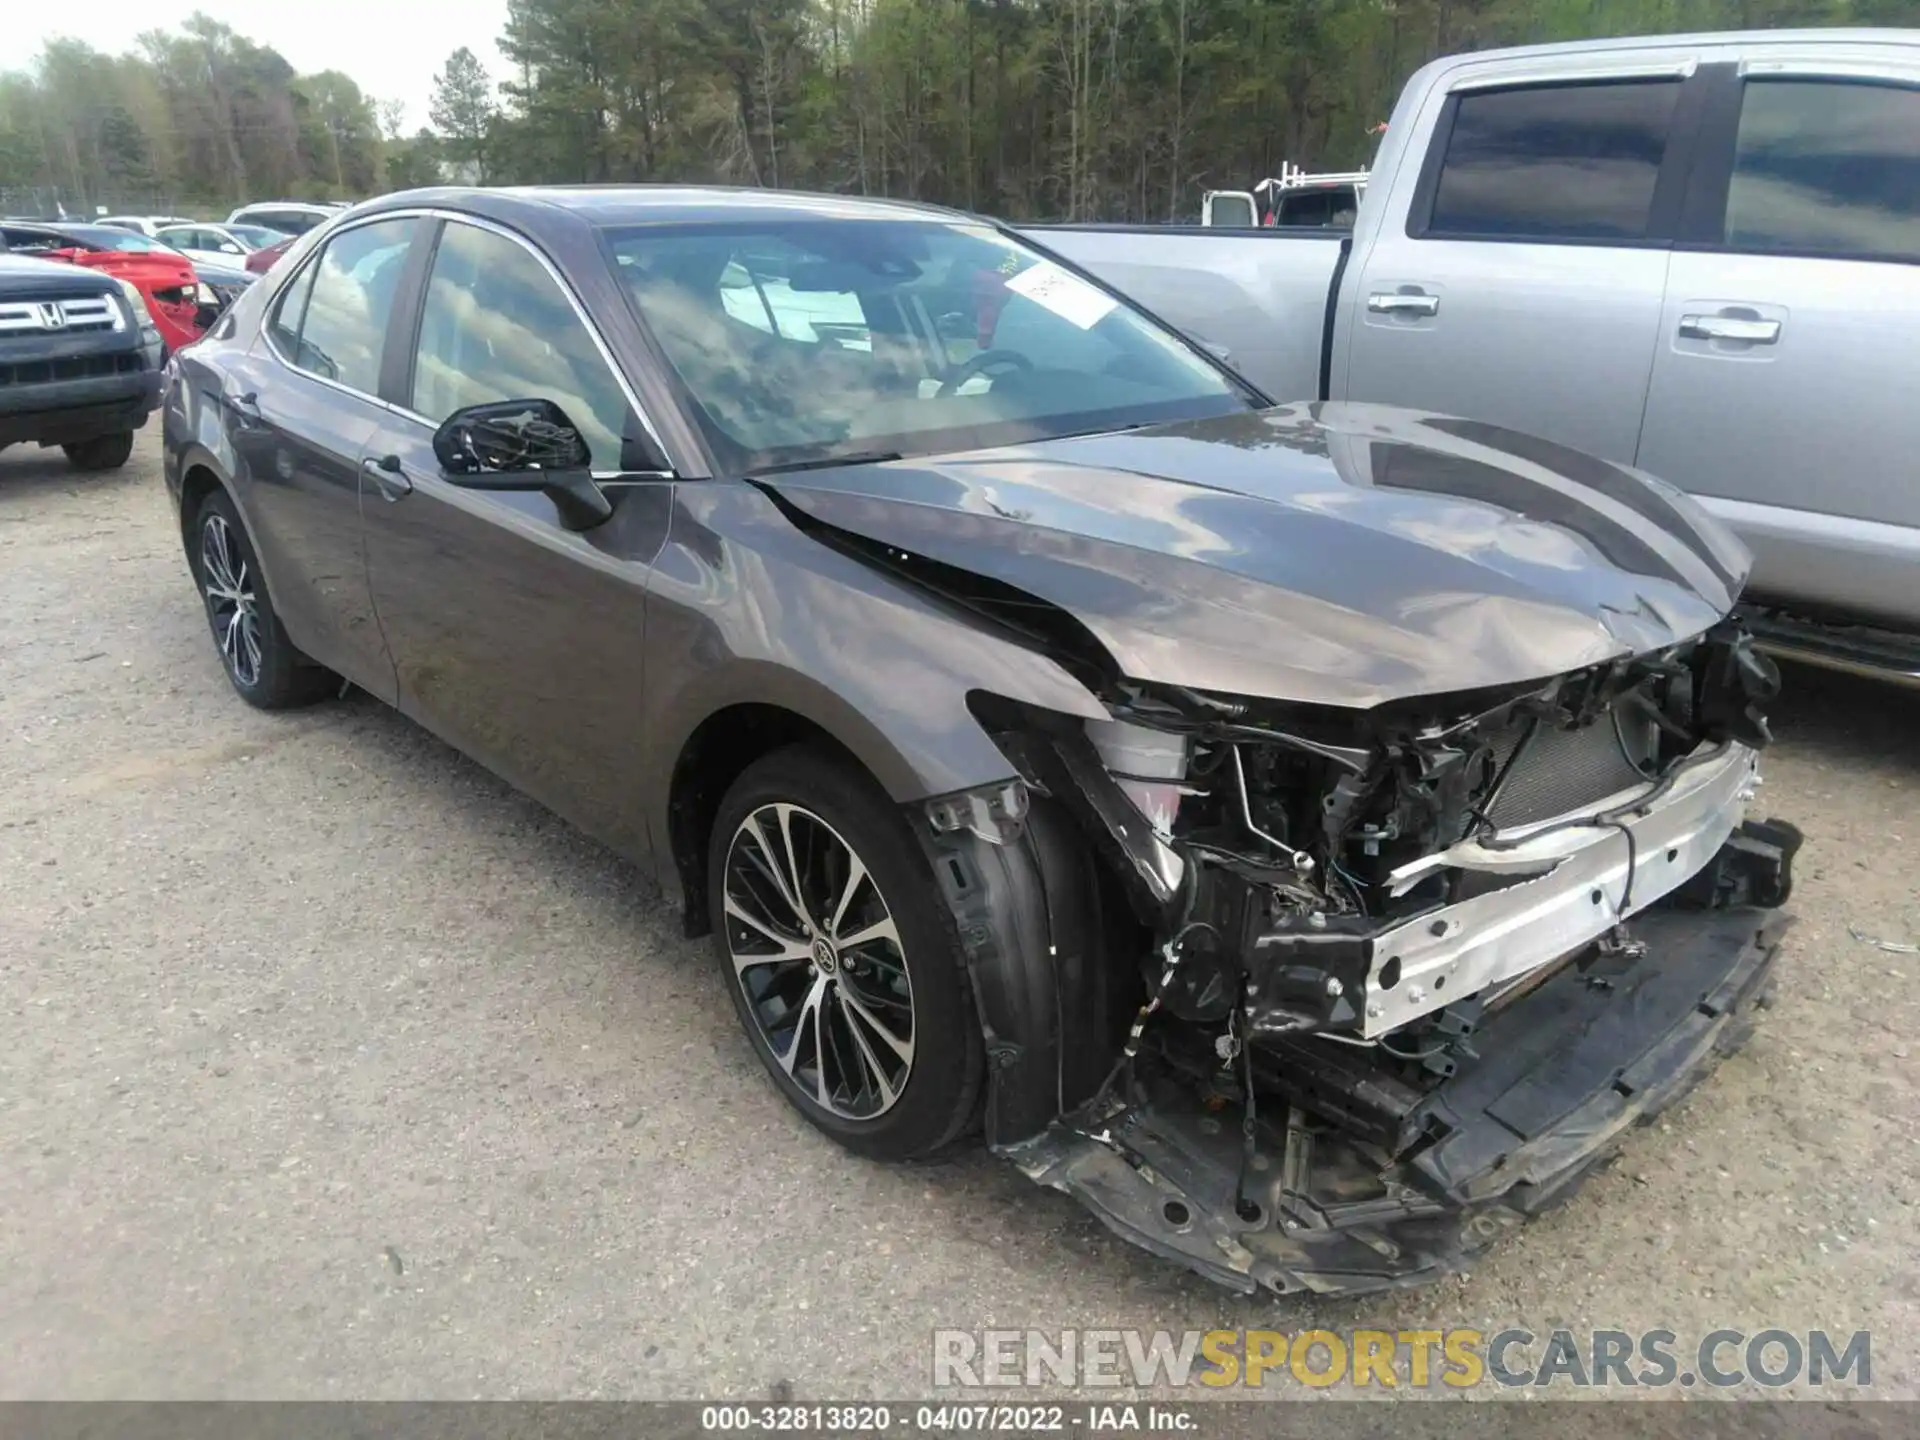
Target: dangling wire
x,y
1249,1142
1172,953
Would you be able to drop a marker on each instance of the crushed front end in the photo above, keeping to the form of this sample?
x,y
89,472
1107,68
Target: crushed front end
x,y
1407,974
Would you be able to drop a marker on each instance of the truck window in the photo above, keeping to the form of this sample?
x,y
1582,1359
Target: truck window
x,y
1332,207
1227,208
1554,162
1827,167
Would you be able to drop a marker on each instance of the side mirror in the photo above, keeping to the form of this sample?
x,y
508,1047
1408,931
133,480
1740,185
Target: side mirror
x,y
523,445
227,247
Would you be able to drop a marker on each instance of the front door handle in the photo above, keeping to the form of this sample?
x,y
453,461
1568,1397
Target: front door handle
x,y
388,477
1729,327
1400,304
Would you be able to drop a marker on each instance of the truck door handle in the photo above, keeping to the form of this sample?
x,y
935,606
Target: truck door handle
x,y
1729,327
1400,304
388,477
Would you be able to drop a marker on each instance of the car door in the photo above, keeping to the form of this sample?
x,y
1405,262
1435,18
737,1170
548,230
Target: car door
x,y
1783,388
515,639
191,243
223,248
1519,272
300,407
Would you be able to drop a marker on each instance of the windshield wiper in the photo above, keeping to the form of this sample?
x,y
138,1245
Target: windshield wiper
x,y
827,462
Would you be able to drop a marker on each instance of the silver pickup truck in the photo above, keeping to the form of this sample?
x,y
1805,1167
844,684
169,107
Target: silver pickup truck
x,y
1698,255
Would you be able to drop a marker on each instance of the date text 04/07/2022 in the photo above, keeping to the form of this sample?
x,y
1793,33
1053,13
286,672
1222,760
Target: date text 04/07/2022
x,y
947,1418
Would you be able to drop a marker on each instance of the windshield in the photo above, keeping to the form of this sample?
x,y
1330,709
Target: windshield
x,y
805,340
258,236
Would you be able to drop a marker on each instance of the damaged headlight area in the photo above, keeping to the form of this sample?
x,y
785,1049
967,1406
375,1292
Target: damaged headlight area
x,y
1381,960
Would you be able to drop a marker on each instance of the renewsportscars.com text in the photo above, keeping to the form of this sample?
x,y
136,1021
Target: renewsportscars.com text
x,y
1413,1359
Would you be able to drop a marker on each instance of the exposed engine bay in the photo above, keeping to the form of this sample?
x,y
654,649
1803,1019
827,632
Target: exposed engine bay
x,y
1315,948
1336,916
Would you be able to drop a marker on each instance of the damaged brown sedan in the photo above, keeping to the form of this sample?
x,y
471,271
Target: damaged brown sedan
x,y
1310,835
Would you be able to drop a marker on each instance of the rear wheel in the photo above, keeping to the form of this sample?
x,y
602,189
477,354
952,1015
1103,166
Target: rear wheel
x,y
840,958
263,664
102,452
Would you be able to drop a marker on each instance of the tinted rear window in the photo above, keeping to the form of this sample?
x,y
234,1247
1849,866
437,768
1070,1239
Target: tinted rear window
x,y
1571,162
1827,167
287,222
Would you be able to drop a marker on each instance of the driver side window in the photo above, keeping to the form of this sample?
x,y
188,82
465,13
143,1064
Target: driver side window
x,y
497,326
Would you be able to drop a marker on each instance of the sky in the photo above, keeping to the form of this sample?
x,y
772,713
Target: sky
x,y
391,48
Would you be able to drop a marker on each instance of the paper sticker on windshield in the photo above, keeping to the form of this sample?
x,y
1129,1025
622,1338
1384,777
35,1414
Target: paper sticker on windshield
x,y
1065,294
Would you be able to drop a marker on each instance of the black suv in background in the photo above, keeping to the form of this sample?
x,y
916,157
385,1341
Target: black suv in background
x,y
79,361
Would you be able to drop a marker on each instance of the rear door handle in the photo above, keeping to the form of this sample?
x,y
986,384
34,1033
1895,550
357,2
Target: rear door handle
x,y
388,477
1729,327
1398,304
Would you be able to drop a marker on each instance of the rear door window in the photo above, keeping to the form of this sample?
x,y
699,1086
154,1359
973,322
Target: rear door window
x,y
1826,167
1554,162
349,299
283,324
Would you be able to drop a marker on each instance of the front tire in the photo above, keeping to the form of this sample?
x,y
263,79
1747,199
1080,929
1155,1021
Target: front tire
x,y
101,452
840,957
261,662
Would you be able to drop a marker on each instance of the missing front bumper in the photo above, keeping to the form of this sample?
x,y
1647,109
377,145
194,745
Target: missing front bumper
x,y
1538,894
1355,1188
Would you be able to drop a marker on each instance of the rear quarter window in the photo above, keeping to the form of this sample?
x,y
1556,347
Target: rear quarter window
x,y
1553,162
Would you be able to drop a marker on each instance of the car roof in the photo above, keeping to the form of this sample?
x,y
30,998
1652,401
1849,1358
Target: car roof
x,y
653,204
1825,38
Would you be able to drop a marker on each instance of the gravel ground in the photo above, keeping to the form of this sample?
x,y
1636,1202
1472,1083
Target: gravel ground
x,y
331,1067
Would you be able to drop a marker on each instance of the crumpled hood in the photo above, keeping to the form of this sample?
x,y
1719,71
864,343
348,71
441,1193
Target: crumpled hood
x,y
1336,554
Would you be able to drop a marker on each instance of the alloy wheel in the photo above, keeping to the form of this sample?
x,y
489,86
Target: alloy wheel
x,y
818,957
228,586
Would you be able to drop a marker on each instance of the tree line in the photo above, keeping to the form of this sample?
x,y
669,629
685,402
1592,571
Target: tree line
x,y
1052,109
201,118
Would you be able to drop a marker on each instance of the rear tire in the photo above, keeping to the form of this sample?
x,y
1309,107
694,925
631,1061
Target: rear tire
x,y
264,666
856,999
102,452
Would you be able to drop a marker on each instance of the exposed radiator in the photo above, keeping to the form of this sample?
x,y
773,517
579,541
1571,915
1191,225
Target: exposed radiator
x,y
1557,772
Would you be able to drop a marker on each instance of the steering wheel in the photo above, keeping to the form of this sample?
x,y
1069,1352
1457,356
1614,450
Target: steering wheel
x,y
979,365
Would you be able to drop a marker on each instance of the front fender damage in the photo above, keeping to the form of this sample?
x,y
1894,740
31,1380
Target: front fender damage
x,y
1306,1007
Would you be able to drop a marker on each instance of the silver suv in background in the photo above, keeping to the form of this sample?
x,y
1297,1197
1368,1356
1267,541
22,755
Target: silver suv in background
x,y
1697,255
289,217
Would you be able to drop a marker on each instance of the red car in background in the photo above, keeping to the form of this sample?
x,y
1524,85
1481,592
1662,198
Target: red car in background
x,y
261,261
164,277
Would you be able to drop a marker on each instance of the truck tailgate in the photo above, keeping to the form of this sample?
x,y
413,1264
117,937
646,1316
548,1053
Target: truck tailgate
x,y
1262,295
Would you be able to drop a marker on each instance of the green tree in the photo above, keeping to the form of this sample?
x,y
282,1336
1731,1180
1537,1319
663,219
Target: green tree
x,y
462,109
1103,109
413,162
